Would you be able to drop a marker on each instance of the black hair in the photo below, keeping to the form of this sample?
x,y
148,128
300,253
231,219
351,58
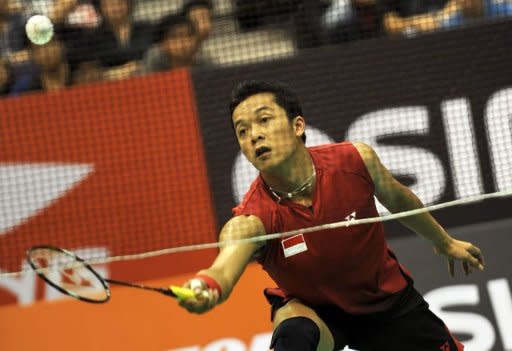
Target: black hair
x,y
284,96
170,21
189,5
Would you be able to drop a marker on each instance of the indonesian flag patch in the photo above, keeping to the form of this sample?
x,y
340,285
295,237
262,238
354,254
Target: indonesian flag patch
x,y
294,245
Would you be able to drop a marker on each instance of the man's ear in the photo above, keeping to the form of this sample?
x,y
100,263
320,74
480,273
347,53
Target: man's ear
x,y
299,125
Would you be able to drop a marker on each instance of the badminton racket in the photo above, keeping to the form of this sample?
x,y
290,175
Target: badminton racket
x,y
73,276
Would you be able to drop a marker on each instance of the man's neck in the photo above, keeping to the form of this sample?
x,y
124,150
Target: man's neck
x,y
293,173
122,31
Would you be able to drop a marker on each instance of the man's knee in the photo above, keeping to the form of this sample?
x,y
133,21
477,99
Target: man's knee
x,y
296,334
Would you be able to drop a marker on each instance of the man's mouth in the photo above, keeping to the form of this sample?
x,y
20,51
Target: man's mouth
x,y
262,151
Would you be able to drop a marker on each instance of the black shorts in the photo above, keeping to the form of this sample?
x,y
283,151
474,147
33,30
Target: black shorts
x,y
408,325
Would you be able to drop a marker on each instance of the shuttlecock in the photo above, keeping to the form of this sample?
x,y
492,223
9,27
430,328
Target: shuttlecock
x,y
39,29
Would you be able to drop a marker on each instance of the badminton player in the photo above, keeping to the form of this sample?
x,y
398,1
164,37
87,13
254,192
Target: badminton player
x,y
339,287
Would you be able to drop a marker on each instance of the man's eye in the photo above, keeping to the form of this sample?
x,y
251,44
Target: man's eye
x,y
265,119
242,132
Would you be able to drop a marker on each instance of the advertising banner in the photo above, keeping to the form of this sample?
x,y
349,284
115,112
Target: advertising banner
x,y
104,170
437,109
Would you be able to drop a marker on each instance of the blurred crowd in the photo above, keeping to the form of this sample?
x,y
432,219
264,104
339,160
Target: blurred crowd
x,y
98,40
324,22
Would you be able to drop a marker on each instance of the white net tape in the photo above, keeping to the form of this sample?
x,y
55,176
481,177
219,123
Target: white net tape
x,y
346,223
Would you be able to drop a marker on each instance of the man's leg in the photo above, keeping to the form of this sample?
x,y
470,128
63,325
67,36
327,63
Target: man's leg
x,y
298,328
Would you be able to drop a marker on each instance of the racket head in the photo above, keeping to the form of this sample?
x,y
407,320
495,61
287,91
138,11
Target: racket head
x,y
68,273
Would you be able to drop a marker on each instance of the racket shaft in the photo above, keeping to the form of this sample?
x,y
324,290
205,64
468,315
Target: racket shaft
x,y
173,291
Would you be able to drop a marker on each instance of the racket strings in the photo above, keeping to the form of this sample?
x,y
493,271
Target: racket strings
x,y
266,237
65,271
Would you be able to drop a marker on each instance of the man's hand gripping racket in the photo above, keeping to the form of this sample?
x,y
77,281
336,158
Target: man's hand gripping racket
x,y
204,297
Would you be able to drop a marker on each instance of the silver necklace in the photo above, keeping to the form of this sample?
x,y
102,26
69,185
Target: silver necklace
x,y
302,187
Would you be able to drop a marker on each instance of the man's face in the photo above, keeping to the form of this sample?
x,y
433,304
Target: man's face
x,y
181,43
202,17
115,11
48,56
266,136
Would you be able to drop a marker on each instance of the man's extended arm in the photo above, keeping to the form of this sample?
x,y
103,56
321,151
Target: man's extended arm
x,y
214,284
397,198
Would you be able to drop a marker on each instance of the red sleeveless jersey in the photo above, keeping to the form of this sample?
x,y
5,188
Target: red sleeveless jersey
x,y
350,267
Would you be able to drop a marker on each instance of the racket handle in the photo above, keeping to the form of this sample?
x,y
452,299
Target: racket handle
x,y
182,293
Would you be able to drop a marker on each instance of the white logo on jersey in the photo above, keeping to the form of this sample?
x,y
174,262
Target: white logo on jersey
x,y
351,216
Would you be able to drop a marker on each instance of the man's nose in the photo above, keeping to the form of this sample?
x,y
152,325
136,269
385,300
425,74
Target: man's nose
x,y
256,135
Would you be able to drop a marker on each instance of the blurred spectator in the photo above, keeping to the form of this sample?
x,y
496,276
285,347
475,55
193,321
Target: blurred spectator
x,y
72,36
252,14
474,9
498,8
319,22
308,26
177,42
12,32
73,13
14,48
413,17
305,15
410,17
5,78
52,64
54,71
120,42
200,12
346,20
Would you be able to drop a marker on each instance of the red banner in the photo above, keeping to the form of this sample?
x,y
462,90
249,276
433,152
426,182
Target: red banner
x,y
109,169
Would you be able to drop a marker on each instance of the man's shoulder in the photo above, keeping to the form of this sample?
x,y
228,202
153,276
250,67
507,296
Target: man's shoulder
x,y
257,202
155,60
256,196
333,147
339,157
334,152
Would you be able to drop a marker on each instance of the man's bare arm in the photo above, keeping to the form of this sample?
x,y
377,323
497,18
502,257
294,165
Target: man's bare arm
x,y
397,198
229,264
